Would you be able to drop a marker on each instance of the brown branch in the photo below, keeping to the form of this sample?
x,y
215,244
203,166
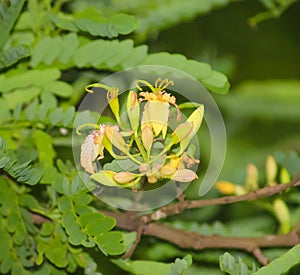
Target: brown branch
x,y
192,240
195,241
183,205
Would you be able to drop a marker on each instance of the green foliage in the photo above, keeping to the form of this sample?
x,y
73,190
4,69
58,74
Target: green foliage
x,y
21,171
274,9
49,222
233,267
92,22
10,11
282,264
150,267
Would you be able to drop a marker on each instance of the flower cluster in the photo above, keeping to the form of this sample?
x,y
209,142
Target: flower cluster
x,y
143,139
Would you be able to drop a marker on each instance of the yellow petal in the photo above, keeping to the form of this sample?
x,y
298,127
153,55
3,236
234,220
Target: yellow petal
x,y
156,115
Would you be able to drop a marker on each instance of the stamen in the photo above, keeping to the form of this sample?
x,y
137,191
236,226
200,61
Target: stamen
x,y
145,83
96,126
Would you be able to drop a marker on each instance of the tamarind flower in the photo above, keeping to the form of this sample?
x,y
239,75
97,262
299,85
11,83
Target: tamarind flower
x,y
156,110
94,144
144,144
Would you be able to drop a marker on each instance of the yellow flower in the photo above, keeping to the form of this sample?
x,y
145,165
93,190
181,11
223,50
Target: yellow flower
x,y
156,110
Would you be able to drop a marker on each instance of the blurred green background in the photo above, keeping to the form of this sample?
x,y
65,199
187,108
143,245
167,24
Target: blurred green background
x,y
262,110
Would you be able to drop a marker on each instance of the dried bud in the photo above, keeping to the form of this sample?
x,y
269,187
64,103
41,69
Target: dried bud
x,y
184,175
124,177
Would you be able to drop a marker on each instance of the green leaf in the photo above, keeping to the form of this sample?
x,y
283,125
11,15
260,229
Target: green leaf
x,y
69,115
31,110
12,55
110,243
6,263
91,21
213,80
282,264
56,116
82,199
143,267
47,229
43,143
56,253
9,11
231,266
59,88
181,265
28,79
21,96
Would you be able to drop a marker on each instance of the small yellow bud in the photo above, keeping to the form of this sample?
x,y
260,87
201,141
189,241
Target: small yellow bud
x,y
285,177
225,187
271,170
283,215
152,179
251,183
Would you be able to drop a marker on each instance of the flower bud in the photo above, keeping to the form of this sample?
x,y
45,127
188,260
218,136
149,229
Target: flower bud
x,y
271,170
252,178
225,187
184,175
124,177
147,138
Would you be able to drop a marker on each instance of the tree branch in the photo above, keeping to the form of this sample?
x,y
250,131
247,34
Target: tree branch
x,y
183,205
193,240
